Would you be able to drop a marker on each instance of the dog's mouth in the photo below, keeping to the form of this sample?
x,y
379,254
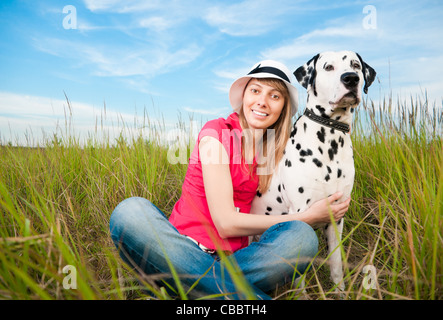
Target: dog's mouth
x,y
349,99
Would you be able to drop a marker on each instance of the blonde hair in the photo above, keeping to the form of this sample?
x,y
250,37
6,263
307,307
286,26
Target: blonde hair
x,y
281,129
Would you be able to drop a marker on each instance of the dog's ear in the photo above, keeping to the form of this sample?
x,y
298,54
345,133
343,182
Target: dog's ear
x,y
306,73
368,73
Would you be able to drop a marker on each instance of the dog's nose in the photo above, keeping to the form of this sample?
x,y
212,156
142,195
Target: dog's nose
x,y
349,79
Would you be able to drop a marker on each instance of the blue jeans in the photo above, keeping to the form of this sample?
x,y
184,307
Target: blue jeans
x,y
143,233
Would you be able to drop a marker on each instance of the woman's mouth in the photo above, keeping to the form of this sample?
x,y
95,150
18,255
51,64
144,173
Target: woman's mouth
x,y
261,114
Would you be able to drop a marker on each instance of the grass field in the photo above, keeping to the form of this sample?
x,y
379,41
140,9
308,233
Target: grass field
x,y
55,203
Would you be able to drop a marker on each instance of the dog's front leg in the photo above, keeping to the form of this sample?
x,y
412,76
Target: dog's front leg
x,y
333,236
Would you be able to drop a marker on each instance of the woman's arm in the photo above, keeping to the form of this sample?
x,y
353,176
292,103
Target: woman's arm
x,y
219,194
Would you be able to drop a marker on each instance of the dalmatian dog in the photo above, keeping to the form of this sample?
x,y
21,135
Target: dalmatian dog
x,y
318,158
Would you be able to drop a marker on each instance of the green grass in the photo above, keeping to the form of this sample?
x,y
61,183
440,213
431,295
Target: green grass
x,y
56,200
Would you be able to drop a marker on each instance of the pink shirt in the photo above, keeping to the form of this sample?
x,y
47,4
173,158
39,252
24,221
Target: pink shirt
x,y
191,214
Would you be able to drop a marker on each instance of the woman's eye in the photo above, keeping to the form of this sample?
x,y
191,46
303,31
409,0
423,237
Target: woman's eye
x,y
275,96
254,90
329,67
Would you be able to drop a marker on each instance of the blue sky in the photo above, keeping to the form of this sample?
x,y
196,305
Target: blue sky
x,y
177,58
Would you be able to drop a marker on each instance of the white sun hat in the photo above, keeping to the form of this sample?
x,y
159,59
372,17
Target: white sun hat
x,y
263,69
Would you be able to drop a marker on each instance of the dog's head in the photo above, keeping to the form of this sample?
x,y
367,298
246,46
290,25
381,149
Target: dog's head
x,y
336,78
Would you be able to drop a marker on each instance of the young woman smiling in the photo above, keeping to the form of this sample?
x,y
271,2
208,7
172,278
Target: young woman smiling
x,y
233,160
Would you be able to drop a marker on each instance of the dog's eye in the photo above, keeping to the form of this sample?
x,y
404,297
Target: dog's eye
x,y
329,67
356,65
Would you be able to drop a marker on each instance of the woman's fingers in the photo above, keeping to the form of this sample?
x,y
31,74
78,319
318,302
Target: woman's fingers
x,y
339,210
335,197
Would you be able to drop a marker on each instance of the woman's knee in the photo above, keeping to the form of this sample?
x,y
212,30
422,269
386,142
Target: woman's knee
x,y
301,237
310,239
129,215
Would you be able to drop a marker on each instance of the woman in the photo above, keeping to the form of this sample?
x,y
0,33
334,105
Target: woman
x,y
211,217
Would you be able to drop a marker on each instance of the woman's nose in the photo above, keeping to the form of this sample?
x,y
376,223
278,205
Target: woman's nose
x,y
261,100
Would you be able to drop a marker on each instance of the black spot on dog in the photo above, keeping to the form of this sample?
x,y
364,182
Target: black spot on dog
x,y
317,162
259,194
267,213
306,153
301,190
327,177
302,160
333,150
304,126
293,132
322,111
269,208
344,57
298,146
321,150
329,169
331,154
279,200
293,141
334,145
279,188
332,130
321,135
288,163
284,213
307,201
312,81
341,141
338,173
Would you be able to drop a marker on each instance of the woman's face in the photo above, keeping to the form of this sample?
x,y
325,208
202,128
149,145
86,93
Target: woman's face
x,y
262,104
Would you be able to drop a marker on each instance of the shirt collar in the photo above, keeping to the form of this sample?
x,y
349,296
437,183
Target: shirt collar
x,y
233,121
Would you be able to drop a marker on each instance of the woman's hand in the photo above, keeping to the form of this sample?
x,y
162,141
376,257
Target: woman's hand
x,y
320,212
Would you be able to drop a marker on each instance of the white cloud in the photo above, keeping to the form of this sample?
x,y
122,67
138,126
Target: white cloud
x,y
344,36
158,24
121,6
31,120
106,60
248,18
151,41
231,74
216,112
405,54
